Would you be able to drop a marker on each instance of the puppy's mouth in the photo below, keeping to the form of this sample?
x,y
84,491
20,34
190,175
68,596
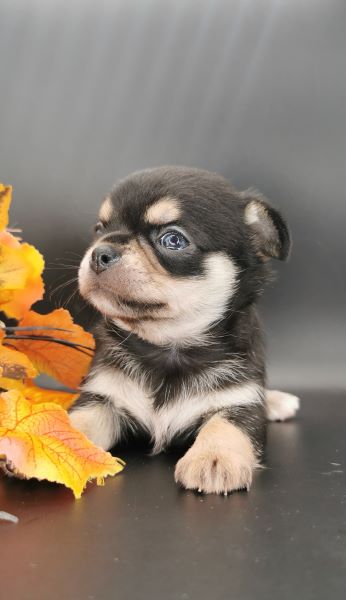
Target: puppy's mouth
x,y
126,292
127,310
141,306
140,311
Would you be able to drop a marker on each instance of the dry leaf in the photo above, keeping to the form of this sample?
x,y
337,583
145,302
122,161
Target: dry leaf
x,y
15,365
11,384
37,440
5,201
21,285
36,437
68,365
37,395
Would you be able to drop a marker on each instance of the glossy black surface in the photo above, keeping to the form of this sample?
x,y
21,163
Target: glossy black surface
x,y
142,537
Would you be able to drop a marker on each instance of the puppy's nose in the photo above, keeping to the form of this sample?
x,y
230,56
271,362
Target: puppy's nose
x,y
103,257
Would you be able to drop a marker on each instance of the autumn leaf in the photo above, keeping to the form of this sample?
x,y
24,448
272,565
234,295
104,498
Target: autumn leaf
x,y
15,365
11,384
9,240
5,201
36,436
67,364
37,395
21,267
21,284
37,440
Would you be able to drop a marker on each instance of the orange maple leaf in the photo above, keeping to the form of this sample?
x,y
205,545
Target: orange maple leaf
x,y
37,440
38,395
21,284
21,266
68,365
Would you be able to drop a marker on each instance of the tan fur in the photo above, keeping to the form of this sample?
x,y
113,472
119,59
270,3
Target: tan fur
x,y
106,210
150,260
189,308
163,211
221,460
256,216
251,214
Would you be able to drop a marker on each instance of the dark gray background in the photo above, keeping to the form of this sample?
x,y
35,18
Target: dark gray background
x,y
255,89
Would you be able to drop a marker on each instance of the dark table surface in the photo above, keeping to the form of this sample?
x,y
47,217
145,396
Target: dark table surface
x,y
141,537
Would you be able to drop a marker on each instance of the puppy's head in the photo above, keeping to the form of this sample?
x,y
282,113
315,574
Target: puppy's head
x,y
175,249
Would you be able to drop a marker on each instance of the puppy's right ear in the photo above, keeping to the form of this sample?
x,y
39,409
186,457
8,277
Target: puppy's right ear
x,y
270,232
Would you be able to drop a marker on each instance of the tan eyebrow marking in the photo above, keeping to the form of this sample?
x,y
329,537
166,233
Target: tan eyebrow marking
x,y
106,210
163,211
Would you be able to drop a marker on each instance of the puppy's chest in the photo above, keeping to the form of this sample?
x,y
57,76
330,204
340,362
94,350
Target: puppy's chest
x,y
137,401
134,400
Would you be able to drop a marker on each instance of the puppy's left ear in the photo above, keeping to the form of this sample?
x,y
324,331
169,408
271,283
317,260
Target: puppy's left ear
x,y
270,232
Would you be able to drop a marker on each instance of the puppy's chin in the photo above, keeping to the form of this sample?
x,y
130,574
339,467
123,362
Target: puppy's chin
x,y
146,318
149,325
123,288
129,313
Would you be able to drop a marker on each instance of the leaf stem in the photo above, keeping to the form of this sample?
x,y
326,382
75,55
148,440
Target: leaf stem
x,y
48,338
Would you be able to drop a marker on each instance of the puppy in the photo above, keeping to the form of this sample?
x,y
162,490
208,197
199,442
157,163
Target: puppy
x,y
177,265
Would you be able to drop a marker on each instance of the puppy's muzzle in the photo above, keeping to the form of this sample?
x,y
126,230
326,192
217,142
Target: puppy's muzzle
x,y
103,257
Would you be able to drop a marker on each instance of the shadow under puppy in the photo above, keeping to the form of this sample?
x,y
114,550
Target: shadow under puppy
x,y
175,270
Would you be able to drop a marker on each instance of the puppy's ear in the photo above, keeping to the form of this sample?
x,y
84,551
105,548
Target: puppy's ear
x,y
270,232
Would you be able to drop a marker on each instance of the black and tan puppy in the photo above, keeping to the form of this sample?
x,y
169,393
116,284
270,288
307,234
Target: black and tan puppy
x,y
175,270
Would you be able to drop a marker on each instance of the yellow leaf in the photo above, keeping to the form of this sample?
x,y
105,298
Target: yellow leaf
x,y
5,201
15,365
37,440
68,365
38,394
11,384
21,285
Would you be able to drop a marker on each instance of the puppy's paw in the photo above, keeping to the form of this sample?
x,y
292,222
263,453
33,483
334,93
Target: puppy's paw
x,y
281,406
95,423
216,471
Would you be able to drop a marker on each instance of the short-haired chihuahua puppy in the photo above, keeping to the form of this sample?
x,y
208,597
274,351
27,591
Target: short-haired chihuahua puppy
x,y
177,265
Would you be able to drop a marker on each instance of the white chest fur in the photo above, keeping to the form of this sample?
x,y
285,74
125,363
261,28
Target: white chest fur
x,y
164,423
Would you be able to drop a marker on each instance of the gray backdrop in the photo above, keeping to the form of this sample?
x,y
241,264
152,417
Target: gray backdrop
x,y
255,89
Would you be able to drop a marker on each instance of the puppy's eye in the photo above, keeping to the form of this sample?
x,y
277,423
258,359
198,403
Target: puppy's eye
x,y
173,240
99,228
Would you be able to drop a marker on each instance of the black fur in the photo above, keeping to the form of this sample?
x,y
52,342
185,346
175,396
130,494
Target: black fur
x,y
213,219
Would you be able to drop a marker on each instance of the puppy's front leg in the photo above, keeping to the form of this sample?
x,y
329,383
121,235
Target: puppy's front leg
x,y
281,406
221,460
95,416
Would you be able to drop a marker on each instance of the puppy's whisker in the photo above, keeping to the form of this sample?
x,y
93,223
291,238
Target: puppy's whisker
x,y
62,286
70,298
66,260
122,341
63,268
79,256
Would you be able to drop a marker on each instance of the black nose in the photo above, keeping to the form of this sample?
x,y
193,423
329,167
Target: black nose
x,y
103,257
